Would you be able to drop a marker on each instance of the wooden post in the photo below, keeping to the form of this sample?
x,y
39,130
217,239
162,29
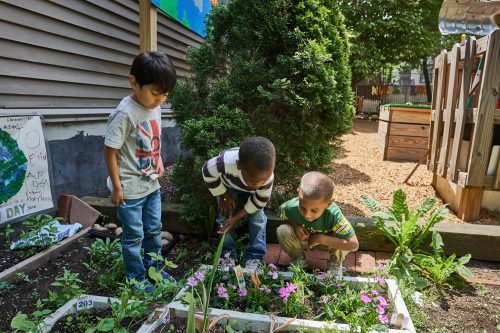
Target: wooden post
x,y
470,203
488,101
470,51
449,114
437,109
147,26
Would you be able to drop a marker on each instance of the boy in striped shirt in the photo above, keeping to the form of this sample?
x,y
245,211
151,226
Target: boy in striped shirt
x,y
242,180
313,220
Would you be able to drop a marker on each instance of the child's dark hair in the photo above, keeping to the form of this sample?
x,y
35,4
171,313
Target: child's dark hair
x,y
315,185
154,68
257,154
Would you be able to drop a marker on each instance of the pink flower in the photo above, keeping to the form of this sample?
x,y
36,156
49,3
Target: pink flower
x,y
381,266
292,287
324,299
192,281
374,291
199,276
380,309
382,301
321,276
379,280
365,299
272,267
274,275
243,292
383,319
233,286
222,292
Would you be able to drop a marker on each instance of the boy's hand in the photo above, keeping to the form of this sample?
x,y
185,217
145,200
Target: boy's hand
x,y
117,198
227,205
228,225
300,232
160,169
315,240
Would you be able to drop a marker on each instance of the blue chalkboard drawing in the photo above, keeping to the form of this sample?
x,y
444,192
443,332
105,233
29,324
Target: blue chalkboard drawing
x,y
191,13
12,167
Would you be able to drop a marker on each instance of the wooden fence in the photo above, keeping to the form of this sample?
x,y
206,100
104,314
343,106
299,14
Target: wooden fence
x,y
465,105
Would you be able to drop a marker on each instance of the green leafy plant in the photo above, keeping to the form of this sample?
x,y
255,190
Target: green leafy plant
x,y
69,289
441,270
6,233
106,262
407,231
4,285
25,278
39,231
22,323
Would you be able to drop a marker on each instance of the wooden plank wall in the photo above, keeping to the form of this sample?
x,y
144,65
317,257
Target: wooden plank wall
x,y
458,111
74,53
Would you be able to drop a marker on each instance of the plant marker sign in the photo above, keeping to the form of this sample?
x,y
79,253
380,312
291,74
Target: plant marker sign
x,y
24,172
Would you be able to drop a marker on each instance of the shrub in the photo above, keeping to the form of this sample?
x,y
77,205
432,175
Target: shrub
x,y
278,69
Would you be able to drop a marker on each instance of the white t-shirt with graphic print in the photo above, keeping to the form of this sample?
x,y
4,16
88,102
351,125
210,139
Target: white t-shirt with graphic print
x,y
136,132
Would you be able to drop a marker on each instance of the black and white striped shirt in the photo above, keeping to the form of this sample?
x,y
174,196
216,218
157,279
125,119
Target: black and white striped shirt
x,y
221,172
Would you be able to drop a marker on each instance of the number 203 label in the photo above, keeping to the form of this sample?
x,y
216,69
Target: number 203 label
x,y
84,303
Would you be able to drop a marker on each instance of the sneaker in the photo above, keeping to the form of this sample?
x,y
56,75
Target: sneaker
x,y
144,286
167,277
254,265
300,261
335,269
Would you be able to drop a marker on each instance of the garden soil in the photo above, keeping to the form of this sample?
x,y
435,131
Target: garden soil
x,y
474,309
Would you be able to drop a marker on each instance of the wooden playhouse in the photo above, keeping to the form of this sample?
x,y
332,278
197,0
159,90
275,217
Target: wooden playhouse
x,y
464,139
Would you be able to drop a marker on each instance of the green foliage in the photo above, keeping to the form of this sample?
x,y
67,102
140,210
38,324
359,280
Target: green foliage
x,y
386,33
407,234
273,68
409,231
39,232
106,262
22,323
6,233
441,270
68,289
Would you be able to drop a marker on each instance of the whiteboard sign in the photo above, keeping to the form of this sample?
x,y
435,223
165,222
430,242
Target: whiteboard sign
x,y
24,172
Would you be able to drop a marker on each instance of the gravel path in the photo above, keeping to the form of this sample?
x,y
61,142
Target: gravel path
x,y
359,169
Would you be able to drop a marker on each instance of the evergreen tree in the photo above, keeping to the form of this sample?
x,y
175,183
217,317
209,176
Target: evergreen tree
x,y
276,68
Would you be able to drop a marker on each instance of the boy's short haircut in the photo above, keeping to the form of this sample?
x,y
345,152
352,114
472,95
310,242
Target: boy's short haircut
x,y
257,154
154,68
316,185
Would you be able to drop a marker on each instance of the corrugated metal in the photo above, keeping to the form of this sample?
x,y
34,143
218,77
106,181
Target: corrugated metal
x,y
74,53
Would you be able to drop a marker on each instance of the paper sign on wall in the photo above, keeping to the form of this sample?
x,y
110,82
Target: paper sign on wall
x,y
24,172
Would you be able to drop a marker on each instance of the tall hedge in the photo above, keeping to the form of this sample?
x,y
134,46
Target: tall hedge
x,y
276,68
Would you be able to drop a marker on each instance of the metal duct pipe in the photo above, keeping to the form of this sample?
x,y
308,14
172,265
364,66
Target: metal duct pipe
x,y
467,16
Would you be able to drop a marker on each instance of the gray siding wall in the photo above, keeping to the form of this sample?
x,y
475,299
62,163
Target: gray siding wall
x,y
75,53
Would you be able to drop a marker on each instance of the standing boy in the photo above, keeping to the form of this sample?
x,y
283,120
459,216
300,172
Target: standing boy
x,y
132,155
315,221
242,180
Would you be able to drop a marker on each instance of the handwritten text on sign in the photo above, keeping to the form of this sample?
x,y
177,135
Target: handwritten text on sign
x,y
24,172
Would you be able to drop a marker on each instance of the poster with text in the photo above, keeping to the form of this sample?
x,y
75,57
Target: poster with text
x,y
24,172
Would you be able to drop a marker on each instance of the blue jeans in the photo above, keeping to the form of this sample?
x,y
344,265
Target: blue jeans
x,y
141,223
256,249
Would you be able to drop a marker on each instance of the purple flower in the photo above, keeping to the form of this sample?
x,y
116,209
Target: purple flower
x,y
381,266
321,276
272,267
365,299
379,280
265,289
192,281
227,254
380,310
199,276
233,286
374,292
286,291
382,301
274,275
243,292
383,319
222,292
324,299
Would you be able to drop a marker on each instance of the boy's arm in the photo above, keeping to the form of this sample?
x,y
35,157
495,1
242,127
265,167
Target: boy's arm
x,y
111,159
259,199
345,244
